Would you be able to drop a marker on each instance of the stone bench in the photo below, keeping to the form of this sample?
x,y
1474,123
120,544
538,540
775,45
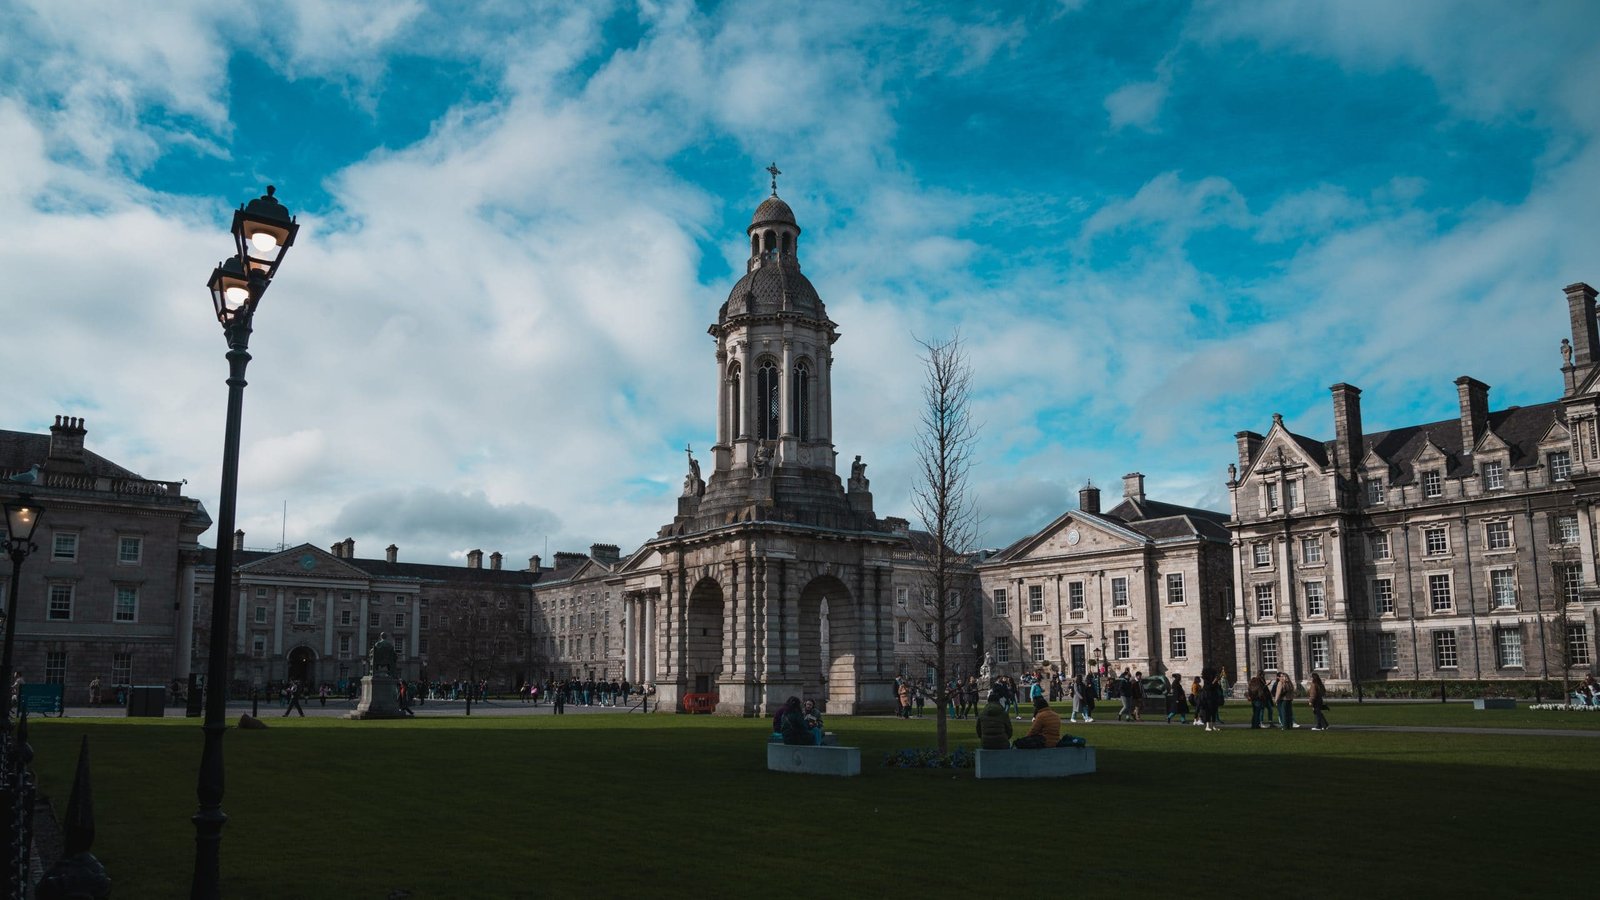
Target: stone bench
x,y
829,739
1494,703
1053,762
825,760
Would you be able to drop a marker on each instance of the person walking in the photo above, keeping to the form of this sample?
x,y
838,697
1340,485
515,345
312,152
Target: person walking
x,y
1317,696
94,691
1123,689
1283,696
903,695
1177,705
291,693
1210,699
1260,698
558,699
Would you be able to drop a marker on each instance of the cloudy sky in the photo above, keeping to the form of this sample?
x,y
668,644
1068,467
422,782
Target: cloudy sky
x,y
1155,224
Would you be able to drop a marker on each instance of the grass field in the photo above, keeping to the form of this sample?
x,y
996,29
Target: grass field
x,y
607,805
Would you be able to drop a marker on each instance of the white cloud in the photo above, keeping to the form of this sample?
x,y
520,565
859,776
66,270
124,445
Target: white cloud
x,y
1137,104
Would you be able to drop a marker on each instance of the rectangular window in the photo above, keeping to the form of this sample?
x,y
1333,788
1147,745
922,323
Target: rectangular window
x,y
1174,587
591,646
1388,651
344,617
344,646
1578,644
1002,650
65,545
1318,645
1265,601
902,632
1444,650
1378,543
1119,592
1565,530
1374,491
1262,555
1435,541
1383,596
1311,550
1569,581
1075,596
261,615
1119,639
1272,497
1503,588
399,620
1497,535
1439,593
1036,647
55,667
1267,649
122,668
261,593
1432,484
129,550
1178,643
258,646
422,621
1035,599
1494,476
1560,465
1508,648
1315,604
1002,606
901,596
302,610
400,648
60,609
127,607
1291,490
422,646
927,599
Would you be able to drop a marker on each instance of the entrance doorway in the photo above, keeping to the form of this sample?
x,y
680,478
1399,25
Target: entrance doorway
x,y
302,665
1079,663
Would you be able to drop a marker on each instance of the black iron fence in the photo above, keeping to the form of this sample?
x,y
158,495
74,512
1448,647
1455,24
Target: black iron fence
x,y
74,873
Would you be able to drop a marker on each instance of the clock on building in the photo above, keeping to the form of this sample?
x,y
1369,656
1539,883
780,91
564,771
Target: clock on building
x,y
308,562
1073,536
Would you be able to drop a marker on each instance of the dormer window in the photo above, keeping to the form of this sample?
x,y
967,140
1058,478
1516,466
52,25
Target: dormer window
x,y
1432,483
1292,493
1494,476
1560,463
1272,497
1375,490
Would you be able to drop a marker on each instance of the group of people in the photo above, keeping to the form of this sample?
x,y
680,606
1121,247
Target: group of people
x,y
585,692
994,725
1276,700
1587,693
799,724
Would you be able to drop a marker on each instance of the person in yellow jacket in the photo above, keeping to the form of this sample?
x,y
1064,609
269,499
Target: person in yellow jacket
x,y
1046,730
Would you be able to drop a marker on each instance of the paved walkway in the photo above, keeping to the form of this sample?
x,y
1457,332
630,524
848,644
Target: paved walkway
x,y
338,708
1404,729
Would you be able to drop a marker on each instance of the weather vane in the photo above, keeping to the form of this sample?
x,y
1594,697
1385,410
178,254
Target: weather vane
x,y
773,170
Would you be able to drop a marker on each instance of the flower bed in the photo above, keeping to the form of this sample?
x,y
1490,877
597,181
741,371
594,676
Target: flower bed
x,y
929,758
1564,707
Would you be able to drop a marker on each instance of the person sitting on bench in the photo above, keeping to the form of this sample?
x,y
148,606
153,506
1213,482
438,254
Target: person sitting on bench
x,y
994,726
793,724
813,720
1046,730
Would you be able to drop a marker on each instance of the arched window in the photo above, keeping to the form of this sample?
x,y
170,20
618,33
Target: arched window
x,y
800,401
769,241
735,408
767,409
755,244
787,242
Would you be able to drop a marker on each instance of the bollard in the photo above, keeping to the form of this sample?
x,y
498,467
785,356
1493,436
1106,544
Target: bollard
x,y
1441,690
255,700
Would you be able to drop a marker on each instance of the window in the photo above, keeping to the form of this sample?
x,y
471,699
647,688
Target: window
x,y
344,617
1569,581
127,605
122,668
261,615
1264,601
1494,476
1267,649
1291,491
927,599
1578,644
1315,603
901,595
261,593
1036,647
55,667
1119,592
60,609
1035,599
1497,535
1388,651
1272,497
1178,643
1439,592
1119,641
1444,650
591,646
1318,645
1383,596
258,646
1503,588
1002,607
1374,490
65,545
422,646
1508,648
344,646
422,621
767,407
1002,650
400,647
1262,555
129,550
1075,596
302,610
1435,541
800,401
1565,530
1560,465
1378,543
902,632
1174,587
1432,484
1311,551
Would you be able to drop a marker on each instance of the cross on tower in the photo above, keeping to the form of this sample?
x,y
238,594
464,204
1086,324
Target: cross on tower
x,y
773,170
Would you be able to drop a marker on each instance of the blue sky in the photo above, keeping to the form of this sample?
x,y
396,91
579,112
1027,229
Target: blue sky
x,y
1155,224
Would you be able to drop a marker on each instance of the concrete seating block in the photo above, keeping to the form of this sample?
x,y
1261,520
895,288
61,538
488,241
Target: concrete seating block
x,y
1052,762
1494,703
825,760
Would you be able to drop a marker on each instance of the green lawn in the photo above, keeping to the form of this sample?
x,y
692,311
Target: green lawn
x,y
677,806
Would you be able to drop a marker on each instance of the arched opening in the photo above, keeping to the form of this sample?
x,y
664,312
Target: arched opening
x,y
768,408
735,408
800,402
769,241
755,245
830,634
302,665
702,638
787,243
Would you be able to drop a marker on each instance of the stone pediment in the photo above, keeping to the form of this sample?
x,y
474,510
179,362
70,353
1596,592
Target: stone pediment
x,y
1491,443
304,561
1078,532
642,562
1556,434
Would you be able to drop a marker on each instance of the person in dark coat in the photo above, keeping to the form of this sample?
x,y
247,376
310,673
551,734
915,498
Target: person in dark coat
x,y
994,726
792,724
1177,704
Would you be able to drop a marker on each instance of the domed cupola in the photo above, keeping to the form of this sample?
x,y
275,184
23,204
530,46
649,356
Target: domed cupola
x,y
774,234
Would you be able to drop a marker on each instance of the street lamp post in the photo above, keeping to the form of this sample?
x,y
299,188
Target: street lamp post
x,y
22,517
263,230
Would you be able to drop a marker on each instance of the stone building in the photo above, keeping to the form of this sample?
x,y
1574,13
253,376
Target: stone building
x,y
576,623
1461,549
107,593
1145,585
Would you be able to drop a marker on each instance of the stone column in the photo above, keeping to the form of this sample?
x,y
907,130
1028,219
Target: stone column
x,y
723,397
652,639
627,638
786,402
185,624
277,626
1586,533
239,620
361,646
416,627
327,626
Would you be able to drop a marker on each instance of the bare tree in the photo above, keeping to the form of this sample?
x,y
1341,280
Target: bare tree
x,y
940,495
476,632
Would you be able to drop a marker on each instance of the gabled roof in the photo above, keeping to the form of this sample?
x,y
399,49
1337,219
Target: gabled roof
x,y
382,569
1164,521
1522,428
20,449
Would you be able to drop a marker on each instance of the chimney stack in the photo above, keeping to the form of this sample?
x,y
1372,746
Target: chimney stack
x,y
494,560
606,553
1347,438
337,549
391,553
533,563
474,559
1585,337
1133,486
1474,397
1249,446
1089,498
349,548
66,440
238,540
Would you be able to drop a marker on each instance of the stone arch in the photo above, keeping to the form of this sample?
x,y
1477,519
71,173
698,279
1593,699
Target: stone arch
x,y
702,637
831,642
302,665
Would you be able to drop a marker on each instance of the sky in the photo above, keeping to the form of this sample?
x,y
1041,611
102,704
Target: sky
x,y
1152,224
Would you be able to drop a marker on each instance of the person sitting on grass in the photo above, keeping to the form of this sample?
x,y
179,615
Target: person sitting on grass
x,y
813,720
1046,730
792,724
994,726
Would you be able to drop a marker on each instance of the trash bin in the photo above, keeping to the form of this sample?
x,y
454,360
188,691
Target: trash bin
x,y
147,700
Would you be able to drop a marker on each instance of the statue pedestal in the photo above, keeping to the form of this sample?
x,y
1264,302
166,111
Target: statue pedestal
x,y
380,698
